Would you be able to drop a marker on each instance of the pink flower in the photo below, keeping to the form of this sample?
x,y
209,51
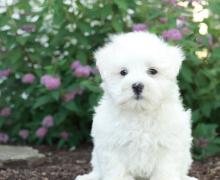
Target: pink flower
x,y
5,112
69,96
5,73
75,64
28,78
41,132
139,27
64,135
24,134
172,34
82,71
48,121
163,20
3,137
50,82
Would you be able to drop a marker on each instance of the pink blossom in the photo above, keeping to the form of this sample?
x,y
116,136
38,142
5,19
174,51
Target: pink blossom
x,y
64,135
5,73
3,137
24,134
75,64
139,27
163,20
48,121
172,34
82,71
5,112
69,96
41,132
28,78
50,82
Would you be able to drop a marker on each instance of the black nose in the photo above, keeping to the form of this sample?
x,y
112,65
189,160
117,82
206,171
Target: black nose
x,y
137,88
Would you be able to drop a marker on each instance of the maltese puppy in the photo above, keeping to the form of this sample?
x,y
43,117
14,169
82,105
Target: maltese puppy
x,y
141,130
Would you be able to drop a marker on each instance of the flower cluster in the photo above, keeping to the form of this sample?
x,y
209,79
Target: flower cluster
x,y
69,96
24,133
4,138
139,27
50,82
47,122
5,112
172,34
80,70
5,73
28,78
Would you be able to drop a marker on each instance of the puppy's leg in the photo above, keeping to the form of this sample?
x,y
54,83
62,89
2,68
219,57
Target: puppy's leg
x,y
111,166
167,167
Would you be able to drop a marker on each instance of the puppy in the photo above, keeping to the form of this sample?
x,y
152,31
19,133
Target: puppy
x,y
141,130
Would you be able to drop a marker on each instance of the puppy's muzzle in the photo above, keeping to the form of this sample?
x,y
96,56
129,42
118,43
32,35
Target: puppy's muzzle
x,y
137,88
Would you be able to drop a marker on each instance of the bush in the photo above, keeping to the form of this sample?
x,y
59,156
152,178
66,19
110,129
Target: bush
x,y
48,81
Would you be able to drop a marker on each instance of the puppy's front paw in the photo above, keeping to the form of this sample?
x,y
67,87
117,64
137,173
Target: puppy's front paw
x,y
85,177
119,178
190,178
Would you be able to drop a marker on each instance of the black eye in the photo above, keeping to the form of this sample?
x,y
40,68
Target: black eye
x,y
152,71
124,72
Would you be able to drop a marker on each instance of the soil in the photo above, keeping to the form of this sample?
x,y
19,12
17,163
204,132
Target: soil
x,y
66,165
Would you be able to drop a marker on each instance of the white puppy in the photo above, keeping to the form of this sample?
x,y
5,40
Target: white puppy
x,y
140,128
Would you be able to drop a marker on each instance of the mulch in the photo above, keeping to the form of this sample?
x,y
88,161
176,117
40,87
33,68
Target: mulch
x,y
66,165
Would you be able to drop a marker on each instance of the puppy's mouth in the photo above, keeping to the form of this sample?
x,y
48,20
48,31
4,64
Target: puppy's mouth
x,y
138,97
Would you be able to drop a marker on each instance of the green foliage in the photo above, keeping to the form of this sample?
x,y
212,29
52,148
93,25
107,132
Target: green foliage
x,y
45,37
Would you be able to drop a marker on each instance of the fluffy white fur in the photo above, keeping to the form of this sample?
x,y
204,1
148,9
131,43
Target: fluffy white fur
x,y
140,139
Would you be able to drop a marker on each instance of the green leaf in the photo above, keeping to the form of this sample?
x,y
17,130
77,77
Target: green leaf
x,y
42,101
55,95
186,74
205,130
122,4
61,116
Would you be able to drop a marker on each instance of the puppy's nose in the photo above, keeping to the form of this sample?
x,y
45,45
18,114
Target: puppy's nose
x,y
137,88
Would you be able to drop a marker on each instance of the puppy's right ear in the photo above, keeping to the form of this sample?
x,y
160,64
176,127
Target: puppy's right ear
x,y
102,55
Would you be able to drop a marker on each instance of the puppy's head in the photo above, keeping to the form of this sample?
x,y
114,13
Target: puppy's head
x,y
139,69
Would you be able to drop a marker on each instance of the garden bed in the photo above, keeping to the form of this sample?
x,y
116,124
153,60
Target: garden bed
x,y
65,165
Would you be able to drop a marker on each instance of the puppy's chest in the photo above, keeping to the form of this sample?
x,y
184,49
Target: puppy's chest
x,y
134,136
140,146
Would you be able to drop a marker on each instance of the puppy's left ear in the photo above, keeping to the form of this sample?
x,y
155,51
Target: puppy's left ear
x,y
177,56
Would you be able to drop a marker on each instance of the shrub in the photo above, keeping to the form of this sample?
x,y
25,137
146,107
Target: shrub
x,y
48,81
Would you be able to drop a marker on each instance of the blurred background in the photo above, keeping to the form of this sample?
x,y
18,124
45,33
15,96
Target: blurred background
x,y
49,84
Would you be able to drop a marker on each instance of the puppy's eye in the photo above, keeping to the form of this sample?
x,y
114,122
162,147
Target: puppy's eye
x,y
152,71
124,72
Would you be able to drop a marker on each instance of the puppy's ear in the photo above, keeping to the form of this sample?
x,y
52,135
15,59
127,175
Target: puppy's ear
x,y
177,56
102,56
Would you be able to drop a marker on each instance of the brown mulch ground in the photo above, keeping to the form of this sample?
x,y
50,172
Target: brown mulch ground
x,y
65,165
